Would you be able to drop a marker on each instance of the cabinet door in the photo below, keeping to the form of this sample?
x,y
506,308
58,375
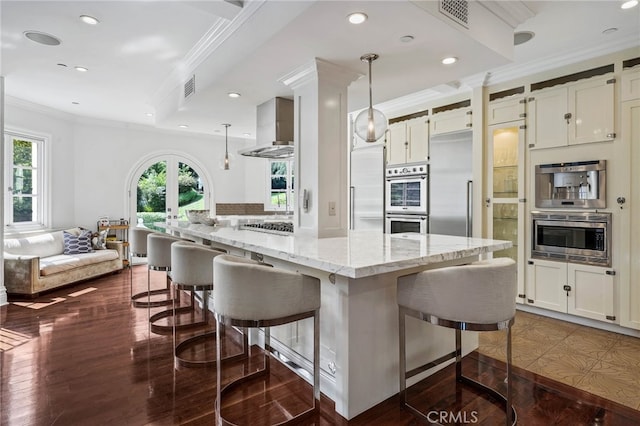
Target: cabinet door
x,y
418,138
506,183
630,85
450,121
397,144
629,223
546,125
591,107
545,284
505,110
591,293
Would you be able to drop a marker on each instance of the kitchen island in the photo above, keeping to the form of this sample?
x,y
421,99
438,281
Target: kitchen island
x,y
359,314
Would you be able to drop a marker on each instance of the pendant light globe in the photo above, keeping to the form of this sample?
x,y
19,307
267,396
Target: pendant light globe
x,y
370,124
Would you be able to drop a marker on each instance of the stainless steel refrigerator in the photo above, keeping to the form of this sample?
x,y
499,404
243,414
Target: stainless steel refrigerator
x,y
367,187
450,184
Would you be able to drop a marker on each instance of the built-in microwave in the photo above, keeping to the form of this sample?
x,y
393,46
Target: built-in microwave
x,y
580,237
580,184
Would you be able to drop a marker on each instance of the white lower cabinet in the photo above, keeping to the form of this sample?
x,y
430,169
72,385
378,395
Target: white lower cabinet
x,y
576,289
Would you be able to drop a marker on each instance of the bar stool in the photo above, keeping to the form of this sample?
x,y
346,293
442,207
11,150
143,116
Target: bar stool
x,y
478,297
192,270
138,248
159,259
251,294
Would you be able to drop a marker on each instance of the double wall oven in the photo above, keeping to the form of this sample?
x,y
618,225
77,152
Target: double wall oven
x,y
406,198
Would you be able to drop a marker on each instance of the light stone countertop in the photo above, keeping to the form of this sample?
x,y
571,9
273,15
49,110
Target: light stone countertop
x,y
360,254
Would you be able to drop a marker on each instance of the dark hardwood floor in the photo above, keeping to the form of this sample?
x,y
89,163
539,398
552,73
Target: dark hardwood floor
x,y
74,357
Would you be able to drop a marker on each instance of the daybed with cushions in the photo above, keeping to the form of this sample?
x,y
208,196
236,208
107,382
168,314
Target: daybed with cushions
x,y
45,261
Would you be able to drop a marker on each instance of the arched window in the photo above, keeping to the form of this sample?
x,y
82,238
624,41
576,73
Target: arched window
x,y
164,185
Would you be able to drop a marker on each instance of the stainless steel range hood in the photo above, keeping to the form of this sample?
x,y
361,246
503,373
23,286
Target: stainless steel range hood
x,y
274,134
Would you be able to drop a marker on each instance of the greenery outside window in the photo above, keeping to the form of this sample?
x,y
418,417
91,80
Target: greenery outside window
x,y
24,177
280,186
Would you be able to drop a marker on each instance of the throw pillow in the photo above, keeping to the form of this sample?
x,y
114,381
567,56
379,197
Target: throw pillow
x,y
99,239
77,244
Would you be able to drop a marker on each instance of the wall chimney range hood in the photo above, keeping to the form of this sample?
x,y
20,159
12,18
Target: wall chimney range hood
x,y
274,133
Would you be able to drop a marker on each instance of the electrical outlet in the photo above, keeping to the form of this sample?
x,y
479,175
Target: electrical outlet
x,y
332,208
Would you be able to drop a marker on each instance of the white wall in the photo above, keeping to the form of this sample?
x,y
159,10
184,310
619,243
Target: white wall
x,y
91,160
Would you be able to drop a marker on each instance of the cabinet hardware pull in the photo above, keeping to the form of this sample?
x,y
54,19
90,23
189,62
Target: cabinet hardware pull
x,y
530,262
611,317
566,287
530,301
522,126
469,124
532,145
522,115
611,135
522,296
567,117
531,99
611,81
522,200
611,272
523,101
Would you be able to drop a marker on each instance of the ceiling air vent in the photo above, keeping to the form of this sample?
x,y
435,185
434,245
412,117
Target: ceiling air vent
x,y
458,10
190,87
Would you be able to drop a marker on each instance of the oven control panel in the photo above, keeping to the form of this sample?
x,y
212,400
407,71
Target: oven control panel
x,y
407,170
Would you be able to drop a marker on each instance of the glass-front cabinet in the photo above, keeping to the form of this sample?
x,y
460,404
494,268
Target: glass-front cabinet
x,y
506,187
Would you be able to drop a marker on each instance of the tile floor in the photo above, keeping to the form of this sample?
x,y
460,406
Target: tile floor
x,y
600,362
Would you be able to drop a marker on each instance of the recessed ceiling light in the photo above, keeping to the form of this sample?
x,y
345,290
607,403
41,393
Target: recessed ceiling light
x,y
246,134
450,60
183,126
89,20
357,17
149,114
42,38
609,31
233,94
629,4
406,39
522,37
81,69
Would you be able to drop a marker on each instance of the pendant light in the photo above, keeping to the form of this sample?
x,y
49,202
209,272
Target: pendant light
x,y
370,124
225,161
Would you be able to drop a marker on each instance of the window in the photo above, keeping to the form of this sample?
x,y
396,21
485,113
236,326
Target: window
x,y
24,177
280,190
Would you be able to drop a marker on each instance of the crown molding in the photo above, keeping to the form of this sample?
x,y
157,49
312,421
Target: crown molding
x,y
515,71
217,34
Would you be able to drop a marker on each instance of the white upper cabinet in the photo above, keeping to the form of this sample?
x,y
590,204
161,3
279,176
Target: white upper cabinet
x,y
450,121
408,141
575,113
630,84
506,110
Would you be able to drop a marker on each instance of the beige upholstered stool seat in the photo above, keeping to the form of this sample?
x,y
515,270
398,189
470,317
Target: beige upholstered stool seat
x,y
159,259
138,248
478,297
251,294
192,270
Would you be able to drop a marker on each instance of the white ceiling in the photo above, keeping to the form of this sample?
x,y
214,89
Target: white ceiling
x,y
142,52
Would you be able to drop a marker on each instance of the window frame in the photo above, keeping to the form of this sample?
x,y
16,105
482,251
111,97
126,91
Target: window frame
x,y
41,185
289,205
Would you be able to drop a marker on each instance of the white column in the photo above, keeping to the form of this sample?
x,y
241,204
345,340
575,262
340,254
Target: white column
x,y
321,141
3,289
